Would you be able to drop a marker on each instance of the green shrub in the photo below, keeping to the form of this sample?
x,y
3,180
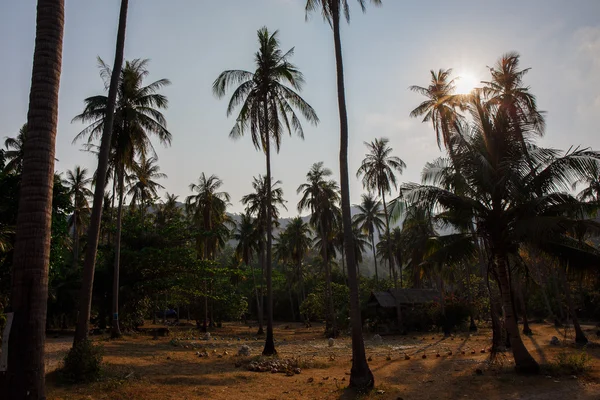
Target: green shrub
x,y
83,363
572,363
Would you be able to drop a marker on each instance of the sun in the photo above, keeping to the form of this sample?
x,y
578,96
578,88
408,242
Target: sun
x,y
465,83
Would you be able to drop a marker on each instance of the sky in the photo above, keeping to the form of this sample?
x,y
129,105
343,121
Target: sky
x,y
385,51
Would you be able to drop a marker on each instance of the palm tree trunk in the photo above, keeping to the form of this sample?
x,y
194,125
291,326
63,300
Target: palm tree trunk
x,y
75,238
374,258
85,301
330,323
525,363
580,337
116,331
258,304
361,376
523,300
25,377
269,349
391,260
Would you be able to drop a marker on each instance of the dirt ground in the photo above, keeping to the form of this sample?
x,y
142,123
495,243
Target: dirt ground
x,y
138,367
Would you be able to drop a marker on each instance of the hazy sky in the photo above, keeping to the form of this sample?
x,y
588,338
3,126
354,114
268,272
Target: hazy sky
x,y
385,51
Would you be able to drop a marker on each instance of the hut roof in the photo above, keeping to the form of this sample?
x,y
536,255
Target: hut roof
x,y
405,296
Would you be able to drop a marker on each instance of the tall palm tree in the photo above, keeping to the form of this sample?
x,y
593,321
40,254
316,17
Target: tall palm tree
x,y
441,106
168,210
78,183
370,219
378,170
13,155
361,376
206,208
320,196
248,238
516,198
298,234
85,302
143,186
25,376
257,204
137,115
267,110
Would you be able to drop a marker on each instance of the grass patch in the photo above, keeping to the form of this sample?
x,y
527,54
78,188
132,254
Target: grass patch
x,y
570,363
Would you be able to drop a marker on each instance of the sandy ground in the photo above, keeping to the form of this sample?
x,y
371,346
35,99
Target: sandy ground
x,y
138,367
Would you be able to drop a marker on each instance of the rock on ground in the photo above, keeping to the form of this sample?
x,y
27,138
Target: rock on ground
x,y
244,351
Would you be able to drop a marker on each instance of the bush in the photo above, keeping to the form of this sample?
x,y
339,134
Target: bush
x,y
83,363
572,363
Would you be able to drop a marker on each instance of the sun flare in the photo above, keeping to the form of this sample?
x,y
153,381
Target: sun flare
x,y
465,83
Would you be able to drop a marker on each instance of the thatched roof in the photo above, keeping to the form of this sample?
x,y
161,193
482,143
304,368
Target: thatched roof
x,y
405,297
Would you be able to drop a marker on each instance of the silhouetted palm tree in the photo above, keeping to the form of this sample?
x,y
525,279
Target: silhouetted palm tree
x,y
320,196
143,186
267,110
13,156
361,376
370,219
78,183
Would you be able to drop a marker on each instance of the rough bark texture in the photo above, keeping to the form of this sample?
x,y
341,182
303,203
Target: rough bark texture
x,y
115,331
269,342
361,377
85,297
524,362
25,377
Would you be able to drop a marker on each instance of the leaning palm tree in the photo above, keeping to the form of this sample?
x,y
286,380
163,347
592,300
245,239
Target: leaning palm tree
x,y
85,301
440,107
143,186
78,183
267,110
13,155
378,171
137,116
361,376
370,219
25,377
320,196
257,204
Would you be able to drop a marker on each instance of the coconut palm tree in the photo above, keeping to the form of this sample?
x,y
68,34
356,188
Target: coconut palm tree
x,y
298,234
78,183
248,238
137,116
85,302
257,204
13,155
168,210
378,170
512,204
206,209
370,219
361,376
143,186
25,376
320,196
441,106
591,183
267,110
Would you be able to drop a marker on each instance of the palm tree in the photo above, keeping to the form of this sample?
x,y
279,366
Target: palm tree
x,y
14,151
206,208
143,186
267,109
591,191
168,210
85,302
361,376
321,197
370,220
78,183
378,171
512,204
257,204
440,106
137,116
248,238
298,235
25,376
